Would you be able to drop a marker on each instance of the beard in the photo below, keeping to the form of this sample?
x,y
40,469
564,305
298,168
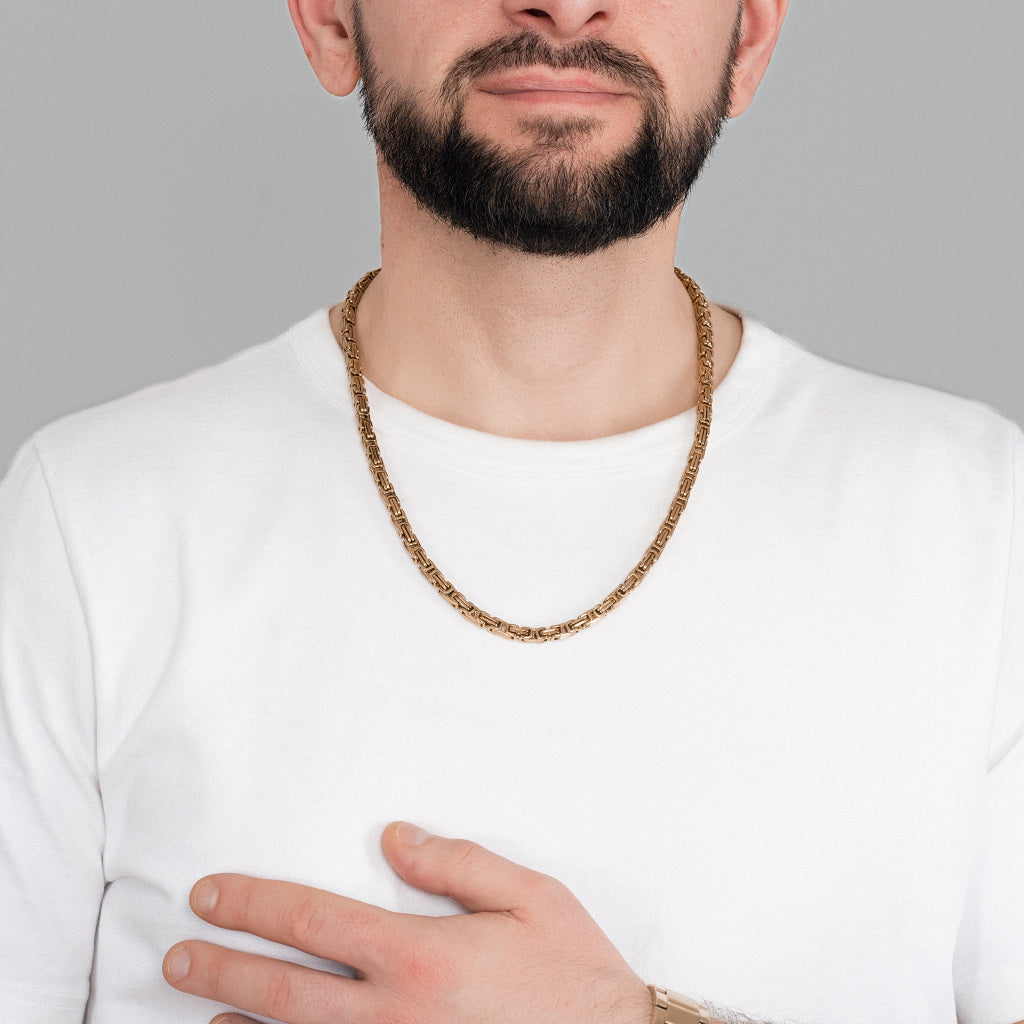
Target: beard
x,y
548,200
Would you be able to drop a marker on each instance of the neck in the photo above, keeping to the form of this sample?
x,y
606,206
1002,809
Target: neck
x,y
526,346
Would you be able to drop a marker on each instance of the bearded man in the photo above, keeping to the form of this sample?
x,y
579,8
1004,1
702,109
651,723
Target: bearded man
x,y
471,549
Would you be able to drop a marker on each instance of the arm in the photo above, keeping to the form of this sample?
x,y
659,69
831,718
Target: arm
x,y
51,828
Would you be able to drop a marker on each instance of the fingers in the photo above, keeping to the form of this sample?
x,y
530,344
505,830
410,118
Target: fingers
x,y
322,923
470,874
259,984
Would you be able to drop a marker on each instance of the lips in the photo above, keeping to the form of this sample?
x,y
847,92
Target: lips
x,y
544,82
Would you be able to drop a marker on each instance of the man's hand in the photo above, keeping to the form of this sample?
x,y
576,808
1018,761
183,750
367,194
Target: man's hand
x,y
527,953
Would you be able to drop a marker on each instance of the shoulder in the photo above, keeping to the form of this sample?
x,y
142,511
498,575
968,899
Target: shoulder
x,y
229,405
890,420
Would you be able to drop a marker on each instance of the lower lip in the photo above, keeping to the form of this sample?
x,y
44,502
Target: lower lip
x,y
549,96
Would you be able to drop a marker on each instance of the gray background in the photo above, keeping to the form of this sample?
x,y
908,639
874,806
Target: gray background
x,y
174,186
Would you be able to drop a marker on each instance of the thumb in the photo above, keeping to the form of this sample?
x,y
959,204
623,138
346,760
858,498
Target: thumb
x,y
474,877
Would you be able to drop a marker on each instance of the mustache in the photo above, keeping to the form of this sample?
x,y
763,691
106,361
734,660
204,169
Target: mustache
x,y
527,49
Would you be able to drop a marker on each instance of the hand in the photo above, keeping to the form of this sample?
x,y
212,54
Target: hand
x,y
527,953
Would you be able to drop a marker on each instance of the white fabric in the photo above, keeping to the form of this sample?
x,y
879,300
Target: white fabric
x,y
787,775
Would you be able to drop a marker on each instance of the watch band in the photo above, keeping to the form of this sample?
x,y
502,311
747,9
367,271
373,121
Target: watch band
x,y
672,1008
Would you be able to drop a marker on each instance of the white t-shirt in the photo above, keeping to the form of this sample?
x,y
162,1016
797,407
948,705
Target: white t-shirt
x,y
786,775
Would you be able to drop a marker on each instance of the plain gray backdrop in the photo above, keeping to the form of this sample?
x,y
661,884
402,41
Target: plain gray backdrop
x,y
175,186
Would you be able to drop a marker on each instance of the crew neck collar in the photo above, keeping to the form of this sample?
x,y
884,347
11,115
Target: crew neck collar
x,y
396,422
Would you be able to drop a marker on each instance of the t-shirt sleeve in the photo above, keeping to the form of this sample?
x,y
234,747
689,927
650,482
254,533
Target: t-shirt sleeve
x,y
989,964
51,827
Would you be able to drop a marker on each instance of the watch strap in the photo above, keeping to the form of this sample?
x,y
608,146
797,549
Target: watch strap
x,y
672,1008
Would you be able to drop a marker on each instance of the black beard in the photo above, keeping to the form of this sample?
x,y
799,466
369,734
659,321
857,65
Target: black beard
x,y
551,207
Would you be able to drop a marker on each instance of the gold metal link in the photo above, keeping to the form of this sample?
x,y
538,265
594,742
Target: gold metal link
x,y
458,600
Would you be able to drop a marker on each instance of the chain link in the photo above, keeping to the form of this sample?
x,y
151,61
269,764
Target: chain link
x,y
458,600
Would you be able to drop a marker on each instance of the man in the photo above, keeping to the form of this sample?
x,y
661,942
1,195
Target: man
x,y
780,764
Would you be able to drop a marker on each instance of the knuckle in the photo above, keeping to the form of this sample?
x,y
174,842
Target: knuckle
x,y
466,854
470,860
214,969
238,902
306,921
279,994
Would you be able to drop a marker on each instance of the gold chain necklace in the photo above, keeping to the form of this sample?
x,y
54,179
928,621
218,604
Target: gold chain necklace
x,y
509,630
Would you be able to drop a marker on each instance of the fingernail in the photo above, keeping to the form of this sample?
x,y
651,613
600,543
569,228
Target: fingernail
x,y
411,835
176,964
204,896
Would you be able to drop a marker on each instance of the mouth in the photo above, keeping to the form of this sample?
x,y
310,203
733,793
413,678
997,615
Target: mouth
x,y
545,86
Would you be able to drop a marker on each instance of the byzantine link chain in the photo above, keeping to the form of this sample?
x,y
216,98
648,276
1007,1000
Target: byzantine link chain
x,y
458,600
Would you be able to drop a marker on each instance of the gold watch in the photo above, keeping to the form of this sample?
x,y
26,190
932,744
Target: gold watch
x,y
672,1008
